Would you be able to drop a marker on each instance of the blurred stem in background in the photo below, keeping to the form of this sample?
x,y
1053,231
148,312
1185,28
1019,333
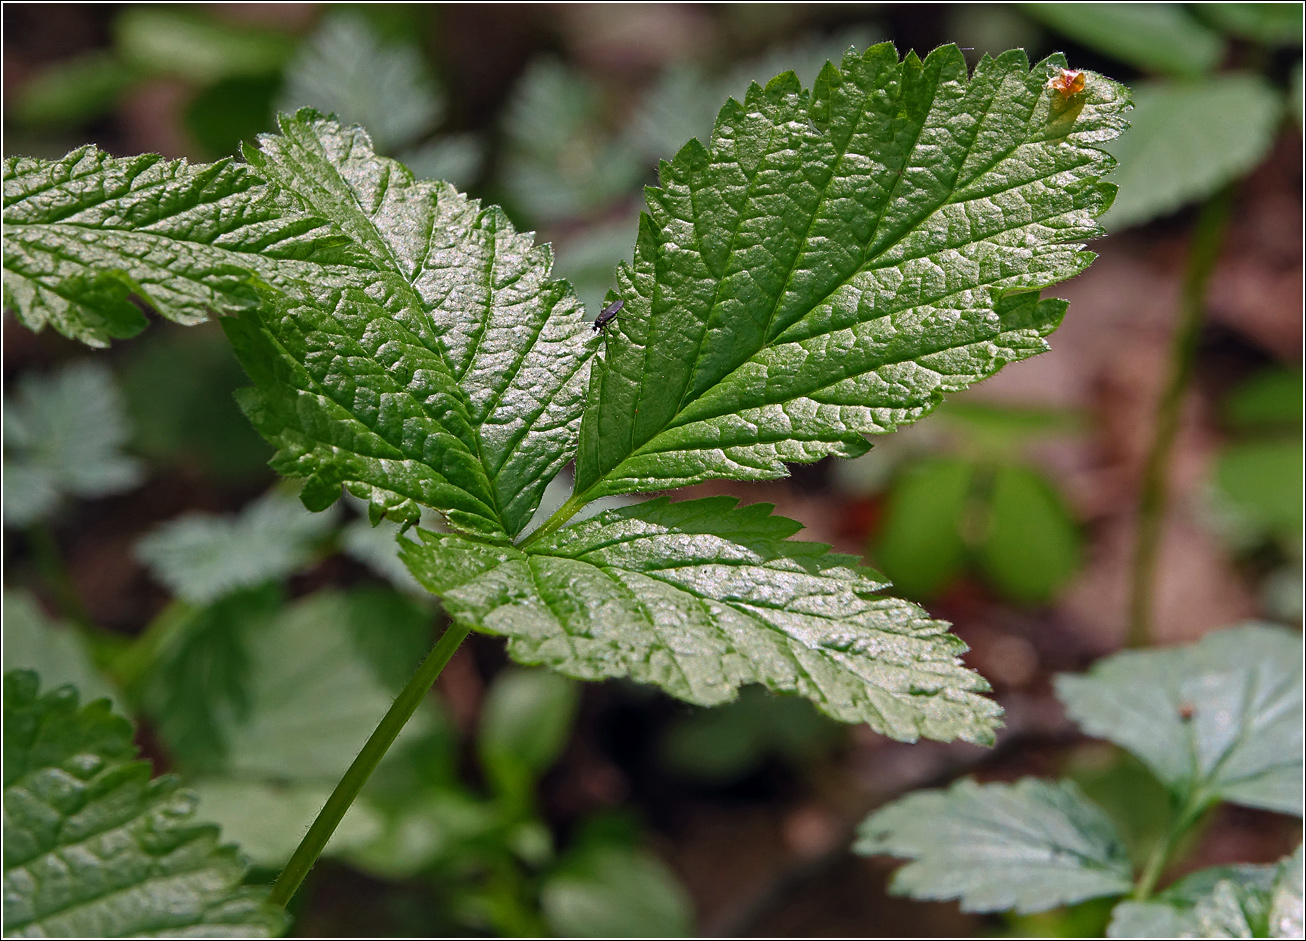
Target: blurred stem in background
x,y
1208,237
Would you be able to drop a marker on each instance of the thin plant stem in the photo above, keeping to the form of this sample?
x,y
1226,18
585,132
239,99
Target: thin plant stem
x,y
1163,851
1202,256
554,522
310,848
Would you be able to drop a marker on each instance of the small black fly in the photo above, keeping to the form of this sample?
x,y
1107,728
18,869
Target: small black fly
x,y
606,315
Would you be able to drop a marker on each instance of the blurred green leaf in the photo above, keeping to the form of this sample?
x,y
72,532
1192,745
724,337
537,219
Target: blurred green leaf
x,y
313,700
526,720
1275,24
1032,546
51,649
230,112
920,545
1186,140
269,818
63,437
191,43
1271,399
561,159
615,892
726,743
1217,720
1156,37
1132,797
686,98
1261,481
443,828
94,848
72,90
1031,846
346,69
178,384
391,632
454,158
377,548
201,557
1220,902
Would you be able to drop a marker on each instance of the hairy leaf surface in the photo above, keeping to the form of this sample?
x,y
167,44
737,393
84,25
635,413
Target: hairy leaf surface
x,y
839,259
94,848
702,597
1031,846
1217,720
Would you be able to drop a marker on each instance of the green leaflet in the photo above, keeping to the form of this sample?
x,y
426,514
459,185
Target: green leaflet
x,y
840,259
1217,720
451,377
87,235
702,597
93,847
1031,846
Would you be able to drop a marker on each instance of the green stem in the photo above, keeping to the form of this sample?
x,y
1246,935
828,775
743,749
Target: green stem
x,y
1203,254
1164,850
554,522
310,848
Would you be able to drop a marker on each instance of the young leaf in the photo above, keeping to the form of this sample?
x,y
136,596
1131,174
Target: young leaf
x,y
93,847
451,375
201,557
920,545
63,436
1186,140
839,260
702,597
1217,720
1030,846
1220,902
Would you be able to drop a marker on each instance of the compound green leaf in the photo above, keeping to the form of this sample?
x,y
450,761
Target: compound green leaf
x,y
1031,846
1217,720
840,259
201,557
452,376
1159,37
63,436
1188,139
702,597
94,848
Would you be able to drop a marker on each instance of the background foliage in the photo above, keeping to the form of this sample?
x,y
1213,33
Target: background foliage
x,y
130,473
